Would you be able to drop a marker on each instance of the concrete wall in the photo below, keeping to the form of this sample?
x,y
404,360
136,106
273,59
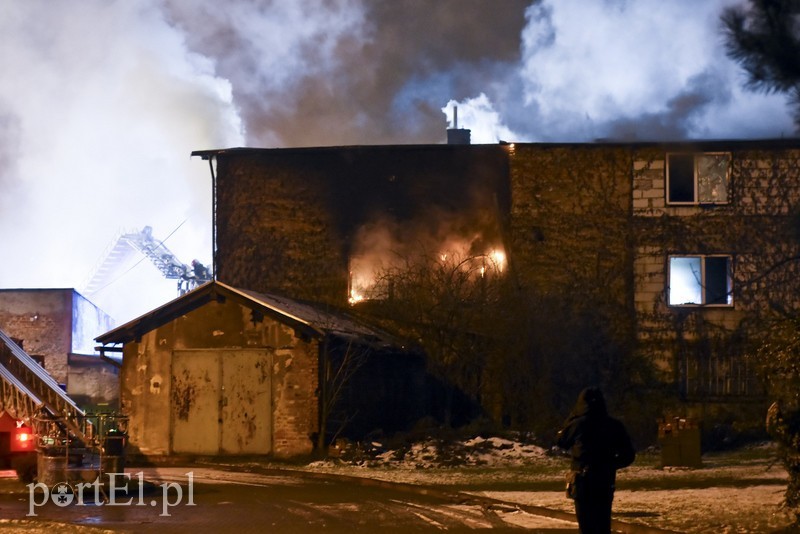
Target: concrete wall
x,y
153,402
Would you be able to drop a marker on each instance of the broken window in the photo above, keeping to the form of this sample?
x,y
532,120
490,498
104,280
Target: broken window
x,y
698,178
700,281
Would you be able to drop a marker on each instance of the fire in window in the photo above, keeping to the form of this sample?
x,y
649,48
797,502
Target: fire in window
x,y
700,280
373,277
698,178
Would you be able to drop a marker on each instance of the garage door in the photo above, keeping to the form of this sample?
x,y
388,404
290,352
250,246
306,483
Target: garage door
x,y
221,402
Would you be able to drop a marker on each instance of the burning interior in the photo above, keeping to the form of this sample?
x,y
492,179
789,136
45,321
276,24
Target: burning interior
x,y
467,239
332,225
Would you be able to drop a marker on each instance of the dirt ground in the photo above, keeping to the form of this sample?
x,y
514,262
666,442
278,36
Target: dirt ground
x,y
705,501
737,491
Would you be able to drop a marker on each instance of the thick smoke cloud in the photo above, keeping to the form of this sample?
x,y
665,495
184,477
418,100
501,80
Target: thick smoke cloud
x,y
353,72
103,100
307,73
644,70
101,105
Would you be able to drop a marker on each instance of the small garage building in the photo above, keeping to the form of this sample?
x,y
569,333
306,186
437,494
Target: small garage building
x,y
227,371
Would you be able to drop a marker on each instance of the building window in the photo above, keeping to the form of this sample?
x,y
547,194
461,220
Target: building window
x,y
700,281
698,178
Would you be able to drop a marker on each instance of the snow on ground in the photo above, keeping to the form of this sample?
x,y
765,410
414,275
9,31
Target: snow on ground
x,y
754,509
477,451
734,492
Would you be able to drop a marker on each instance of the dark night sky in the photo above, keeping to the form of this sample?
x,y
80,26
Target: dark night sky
x,y
104,100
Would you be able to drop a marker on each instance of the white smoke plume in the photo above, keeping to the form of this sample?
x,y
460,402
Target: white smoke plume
x,y
638,70
485,122
101,106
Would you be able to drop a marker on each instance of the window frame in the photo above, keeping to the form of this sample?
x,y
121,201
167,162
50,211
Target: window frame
x,y
729,280
695,180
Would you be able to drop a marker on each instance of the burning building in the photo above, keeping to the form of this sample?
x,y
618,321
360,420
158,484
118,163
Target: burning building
x,y
321,223
663,252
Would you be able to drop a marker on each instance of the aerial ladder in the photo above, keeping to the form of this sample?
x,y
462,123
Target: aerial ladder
x,y
127,243
69,442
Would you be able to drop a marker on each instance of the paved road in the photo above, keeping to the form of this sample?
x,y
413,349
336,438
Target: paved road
x,y
215,500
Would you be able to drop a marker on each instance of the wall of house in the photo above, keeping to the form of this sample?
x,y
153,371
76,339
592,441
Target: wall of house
x,y
586,224
42,319
569,219
288,221
150,397
700,349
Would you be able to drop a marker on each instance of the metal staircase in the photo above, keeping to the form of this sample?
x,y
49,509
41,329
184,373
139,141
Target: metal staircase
x,y
71,445
29,392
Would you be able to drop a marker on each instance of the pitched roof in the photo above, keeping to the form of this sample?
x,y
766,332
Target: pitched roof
x,y
310,319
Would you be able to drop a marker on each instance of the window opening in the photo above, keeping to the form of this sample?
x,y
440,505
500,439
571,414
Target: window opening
x,y
700,280
698,178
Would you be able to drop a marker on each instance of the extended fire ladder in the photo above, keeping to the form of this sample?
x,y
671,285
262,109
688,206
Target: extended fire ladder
x,y
159,255
31,395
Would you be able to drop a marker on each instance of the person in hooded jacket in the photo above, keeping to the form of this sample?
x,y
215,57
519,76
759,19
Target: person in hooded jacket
x,y
599,445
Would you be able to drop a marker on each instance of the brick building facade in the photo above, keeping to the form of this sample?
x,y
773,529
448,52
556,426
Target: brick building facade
x,y
715,254
57,327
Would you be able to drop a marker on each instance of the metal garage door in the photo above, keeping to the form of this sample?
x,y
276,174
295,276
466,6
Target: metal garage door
x,y
221,402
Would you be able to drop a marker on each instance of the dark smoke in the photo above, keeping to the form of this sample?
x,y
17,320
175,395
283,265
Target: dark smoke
x,y
366,73
683,115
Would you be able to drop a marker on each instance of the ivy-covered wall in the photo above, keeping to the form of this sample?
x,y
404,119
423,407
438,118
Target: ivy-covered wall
x,y
705,350
588,233
569,231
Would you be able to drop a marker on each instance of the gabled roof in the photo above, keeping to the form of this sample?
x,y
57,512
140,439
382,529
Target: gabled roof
x,y
313,320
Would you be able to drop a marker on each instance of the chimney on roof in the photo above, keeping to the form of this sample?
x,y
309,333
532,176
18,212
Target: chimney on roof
x,y
456,135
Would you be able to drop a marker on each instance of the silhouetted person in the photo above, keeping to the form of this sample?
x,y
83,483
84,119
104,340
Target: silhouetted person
x,y
599,445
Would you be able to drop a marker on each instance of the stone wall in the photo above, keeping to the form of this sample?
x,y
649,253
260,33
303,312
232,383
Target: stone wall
x,y
757,229
569,229
275,231
586,224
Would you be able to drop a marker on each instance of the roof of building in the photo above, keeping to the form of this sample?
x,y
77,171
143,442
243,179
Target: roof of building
x,y
309,319
678,144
